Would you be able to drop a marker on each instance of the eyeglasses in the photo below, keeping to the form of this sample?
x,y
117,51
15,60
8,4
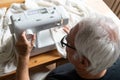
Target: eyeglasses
x,y
64,43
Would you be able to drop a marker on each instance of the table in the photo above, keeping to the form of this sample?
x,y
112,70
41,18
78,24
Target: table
x,y
7,3
100,7
41,60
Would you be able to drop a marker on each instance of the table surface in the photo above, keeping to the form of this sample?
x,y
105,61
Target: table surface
x,y
50,56
7,3
41,59
100,7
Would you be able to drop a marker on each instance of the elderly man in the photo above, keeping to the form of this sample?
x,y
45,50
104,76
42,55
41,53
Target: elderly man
x,y
92,49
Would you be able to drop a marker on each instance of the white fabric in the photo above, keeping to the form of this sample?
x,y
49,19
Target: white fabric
x,y
6,45
76,9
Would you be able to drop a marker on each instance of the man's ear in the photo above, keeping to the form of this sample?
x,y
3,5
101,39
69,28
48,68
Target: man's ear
x,y
84,62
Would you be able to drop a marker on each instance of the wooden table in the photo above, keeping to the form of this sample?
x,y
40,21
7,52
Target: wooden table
x,y
7,3
41,60
100,7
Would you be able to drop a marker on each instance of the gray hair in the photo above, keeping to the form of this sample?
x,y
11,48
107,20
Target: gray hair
x,y
98,40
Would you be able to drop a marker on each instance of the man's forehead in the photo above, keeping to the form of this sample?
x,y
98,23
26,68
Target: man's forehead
x,y
73,32
75,29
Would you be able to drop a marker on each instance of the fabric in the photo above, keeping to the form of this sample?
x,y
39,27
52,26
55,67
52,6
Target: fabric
x,y
7,52
8,56
67,72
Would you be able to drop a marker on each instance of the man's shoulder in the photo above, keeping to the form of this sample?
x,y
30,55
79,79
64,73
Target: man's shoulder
x,y
64,72
113,73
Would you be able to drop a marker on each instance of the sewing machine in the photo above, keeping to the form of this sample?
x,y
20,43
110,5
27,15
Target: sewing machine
x,y
39,21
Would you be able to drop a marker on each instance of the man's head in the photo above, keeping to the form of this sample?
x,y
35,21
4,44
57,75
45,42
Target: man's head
x,y
96,43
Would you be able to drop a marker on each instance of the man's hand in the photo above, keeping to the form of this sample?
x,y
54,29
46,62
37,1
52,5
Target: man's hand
x,y
24,46
66,29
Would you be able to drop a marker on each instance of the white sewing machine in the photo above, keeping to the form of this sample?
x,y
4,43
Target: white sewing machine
x,y
39,21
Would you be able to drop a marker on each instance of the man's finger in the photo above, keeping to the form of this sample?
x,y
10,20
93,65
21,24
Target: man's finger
x,y
24,36
33,39
66,29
